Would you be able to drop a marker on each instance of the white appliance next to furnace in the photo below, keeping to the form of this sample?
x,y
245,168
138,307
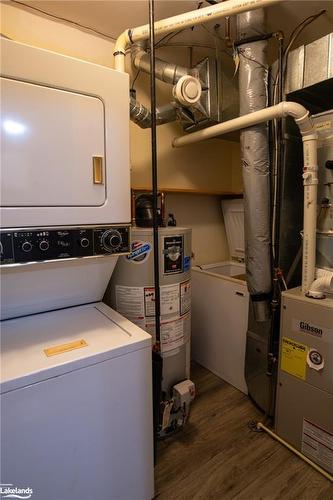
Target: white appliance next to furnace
x,y
76,398
220,302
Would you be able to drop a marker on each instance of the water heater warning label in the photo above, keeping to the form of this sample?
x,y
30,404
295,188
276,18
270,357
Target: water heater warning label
x,y
138,305
317,444
293,357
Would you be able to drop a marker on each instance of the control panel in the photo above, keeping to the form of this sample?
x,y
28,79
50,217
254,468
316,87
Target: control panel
x,y
40,244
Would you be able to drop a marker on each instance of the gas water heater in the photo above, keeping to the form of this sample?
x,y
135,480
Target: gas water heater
x,y
131,292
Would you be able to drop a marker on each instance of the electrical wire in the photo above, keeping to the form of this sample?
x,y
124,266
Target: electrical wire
x,y
187,45
59,18
135,78
300,27
169,36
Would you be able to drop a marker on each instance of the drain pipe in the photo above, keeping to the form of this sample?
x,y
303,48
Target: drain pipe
x,y
188,19
253,96
310,167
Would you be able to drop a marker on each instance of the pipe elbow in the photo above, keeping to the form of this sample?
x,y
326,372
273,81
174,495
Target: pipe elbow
x,y
138,50
119,52
323,283
301,116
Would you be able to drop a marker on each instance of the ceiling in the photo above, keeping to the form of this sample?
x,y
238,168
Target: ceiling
x,y
111,17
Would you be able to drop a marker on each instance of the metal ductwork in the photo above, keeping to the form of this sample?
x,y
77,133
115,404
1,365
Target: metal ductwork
x,y
141,115
255,160
164,71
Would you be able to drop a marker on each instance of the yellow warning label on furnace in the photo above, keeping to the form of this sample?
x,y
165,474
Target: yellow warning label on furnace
x,y
59,349
293,357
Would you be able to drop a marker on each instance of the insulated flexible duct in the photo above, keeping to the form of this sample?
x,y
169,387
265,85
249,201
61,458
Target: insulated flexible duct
x,y
255,160
140,115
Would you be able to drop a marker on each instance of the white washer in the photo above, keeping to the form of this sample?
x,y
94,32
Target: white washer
x,y
77,424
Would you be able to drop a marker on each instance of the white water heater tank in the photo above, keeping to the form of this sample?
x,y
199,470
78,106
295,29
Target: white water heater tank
x,y
132,293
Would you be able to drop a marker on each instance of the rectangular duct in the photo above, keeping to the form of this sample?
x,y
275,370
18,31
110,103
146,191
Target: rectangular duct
x,y
219,100
310,74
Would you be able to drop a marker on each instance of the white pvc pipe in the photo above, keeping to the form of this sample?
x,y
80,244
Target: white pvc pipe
x,y
324,281
297,111
188,19
310,169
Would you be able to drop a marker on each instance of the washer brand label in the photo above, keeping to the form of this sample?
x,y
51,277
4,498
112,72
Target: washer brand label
x,y
140,252
303,326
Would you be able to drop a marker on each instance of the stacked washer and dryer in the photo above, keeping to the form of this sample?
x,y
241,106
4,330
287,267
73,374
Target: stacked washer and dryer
x,y
76,399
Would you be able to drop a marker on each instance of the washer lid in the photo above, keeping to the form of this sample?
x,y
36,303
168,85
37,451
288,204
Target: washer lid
x,y
42,346
233,212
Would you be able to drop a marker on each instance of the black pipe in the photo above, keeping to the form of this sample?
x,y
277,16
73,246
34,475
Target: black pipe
x,y
273,344
157,359
154,175
280,153
251,39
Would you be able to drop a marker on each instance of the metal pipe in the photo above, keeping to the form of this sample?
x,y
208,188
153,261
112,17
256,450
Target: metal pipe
x,y
164,71
310,167
188,19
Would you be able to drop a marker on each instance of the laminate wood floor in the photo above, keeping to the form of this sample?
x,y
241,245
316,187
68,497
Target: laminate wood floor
x,y
217,456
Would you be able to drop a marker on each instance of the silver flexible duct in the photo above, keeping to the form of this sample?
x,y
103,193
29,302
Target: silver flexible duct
x,y
165,71
140,115
255,160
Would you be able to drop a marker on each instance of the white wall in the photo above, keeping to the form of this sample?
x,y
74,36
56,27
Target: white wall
x,y
210,166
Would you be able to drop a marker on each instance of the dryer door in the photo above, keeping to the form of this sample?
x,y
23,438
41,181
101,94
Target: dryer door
x,y
52,147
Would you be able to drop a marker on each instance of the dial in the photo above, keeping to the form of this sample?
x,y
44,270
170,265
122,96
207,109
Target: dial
x,y
26,246
111,240
44,245
84,242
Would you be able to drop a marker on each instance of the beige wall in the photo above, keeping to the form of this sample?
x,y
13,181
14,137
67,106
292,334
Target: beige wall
x,y
207,167
203,214
210,166
29,28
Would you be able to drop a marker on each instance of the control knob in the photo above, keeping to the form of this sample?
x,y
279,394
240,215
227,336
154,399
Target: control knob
x,y
26,246
84,242
111,240
44,245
